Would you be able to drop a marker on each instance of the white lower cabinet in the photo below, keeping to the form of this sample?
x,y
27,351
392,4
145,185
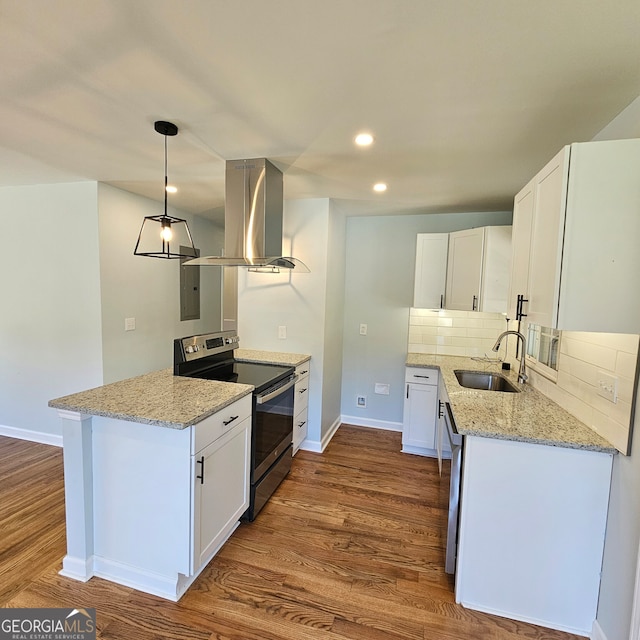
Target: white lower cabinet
x,y
532,527
301,405
164,500
420,406
220,473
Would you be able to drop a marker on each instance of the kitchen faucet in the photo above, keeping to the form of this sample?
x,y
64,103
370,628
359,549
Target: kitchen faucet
x,y
522,376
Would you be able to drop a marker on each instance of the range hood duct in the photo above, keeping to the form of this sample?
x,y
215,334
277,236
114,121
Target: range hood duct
x,y
253,219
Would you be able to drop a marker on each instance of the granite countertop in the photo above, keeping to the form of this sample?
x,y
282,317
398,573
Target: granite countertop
x,y
528,416
157,398
271,357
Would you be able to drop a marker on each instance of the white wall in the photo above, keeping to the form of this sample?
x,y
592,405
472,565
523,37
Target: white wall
x,y
147,289
334,315
379,293
50,333
303,303
623,525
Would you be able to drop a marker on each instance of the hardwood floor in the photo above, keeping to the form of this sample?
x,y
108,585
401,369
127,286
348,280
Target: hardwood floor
x,y
350,546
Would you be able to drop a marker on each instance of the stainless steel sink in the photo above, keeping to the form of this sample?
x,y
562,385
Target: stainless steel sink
x,y
485,380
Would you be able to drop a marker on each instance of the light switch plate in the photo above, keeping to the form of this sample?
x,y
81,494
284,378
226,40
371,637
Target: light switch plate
x,y
363,329
282,332
381,389
129,324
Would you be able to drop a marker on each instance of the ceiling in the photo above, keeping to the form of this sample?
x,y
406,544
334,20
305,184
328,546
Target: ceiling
x,y
466,98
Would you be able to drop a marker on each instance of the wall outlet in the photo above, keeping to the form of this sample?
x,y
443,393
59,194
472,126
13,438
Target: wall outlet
x,y
381,389
129,324
282,332
361,401
607,386
363,329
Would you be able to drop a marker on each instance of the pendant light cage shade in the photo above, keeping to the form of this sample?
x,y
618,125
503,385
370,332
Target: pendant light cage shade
x,y
165,236
161,235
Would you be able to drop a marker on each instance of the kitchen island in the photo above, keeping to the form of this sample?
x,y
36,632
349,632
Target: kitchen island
x,y
156,478
534,501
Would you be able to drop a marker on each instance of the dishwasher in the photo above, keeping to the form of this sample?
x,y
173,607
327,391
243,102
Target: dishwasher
x,y
456,442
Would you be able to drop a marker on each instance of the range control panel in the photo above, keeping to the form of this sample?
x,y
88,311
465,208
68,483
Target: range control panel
x,y
207,344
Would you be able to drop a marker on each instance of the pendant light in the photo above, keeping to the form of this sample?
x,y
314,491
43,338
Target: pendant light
x,y
161,235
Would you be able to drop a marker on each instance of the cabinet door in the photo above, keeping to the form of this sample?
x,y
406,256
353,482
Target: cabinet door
x,y
419,426
496,266
431,270
547,238
521,248
464,269
221,490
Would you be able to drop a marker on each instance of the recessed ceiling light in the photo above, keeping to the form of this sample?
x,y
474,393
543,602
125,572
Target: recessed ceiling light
x,y
364,139
379,187
172,189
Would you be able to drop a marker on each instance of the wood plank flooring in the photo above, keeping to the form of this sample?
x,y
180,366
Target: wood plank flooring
x,y
350,546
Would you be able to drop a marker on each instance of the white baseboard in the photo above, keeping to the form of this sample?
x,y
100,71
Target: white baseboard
x,y
371,423
316,446
168,587
596,632
32,436
77,568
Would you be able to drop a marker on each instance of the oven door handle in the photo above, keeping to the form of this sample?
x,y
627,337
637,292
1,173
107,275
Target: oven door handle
x,y
270,395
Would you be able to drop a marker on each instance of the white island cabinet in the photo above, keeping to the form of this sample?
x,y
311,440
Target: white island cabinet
x,y
149,505
532,526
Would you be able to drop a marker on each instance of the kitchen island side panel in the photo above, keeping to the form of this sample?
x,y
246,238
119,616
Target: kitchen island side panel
x,y
142,496
532,529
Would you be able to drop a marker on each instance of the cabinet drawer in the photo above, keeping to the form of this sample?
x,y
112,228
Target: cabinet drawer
x,y
300,429
421,375
302,370
211,428
301,398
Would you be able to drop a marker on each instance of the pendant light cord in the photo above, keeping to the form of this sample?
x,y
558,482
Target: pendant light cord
x,y
165,175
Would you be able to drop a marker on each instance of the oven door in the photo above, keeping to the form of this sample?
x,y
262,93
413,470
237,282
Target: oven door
x,y
272,426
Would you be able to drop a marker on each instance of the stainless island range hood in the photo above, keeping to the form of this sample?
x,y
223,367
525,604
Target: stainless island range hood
x,y
253,219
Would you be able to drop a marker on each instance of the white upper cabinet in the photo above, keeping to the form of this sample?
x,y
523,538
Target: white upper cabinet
x,y
431,270
478,269
520,250
584,259
547,235
464,269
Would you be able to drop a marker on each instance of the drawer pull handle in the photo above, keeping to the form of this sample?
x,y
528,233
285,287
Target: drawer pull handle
x,y
440,405
302,391
303,372
302,424
201,476
230,420
418,376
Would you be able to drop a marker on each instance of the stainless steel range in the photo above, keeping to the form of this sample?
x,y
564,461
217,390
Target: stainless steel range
x,y
210,356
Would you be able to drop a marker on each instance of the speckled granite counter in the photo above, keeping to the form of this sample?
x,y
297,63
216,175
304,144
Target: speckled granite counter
x,y
157,398
271,357
528,416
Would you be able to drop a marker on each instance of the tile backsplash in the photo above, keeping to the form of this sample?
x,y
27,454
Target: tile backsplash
x,y
454,333
582,359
